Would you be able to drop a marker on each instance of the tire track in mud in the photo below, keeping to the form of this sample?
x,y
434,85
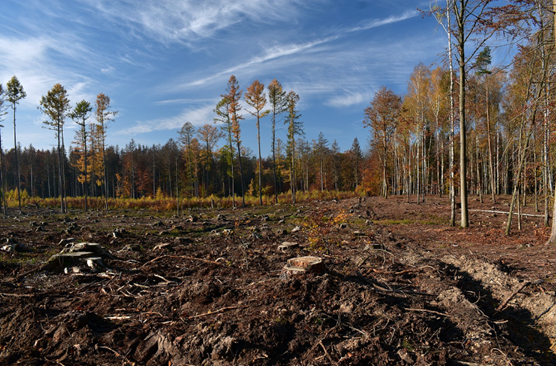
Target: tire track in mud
x,y
486,302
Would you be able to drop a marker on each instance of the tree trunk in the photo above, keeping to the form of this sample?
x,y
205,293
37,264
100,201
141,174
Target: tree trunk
x,y
17,164
490,155
241,174
2,182
462,128
260,164
60,173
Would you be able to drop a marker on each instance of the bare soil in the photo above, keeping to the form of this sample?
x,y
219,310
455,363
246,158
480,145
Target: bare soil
x,y
399,287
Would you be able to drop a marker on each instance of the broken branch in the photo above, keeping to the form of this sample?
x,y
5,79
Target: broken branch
x,y
180,257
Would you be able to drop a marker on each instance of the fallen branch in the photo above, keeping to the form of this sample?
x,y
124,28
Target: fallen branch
x,y
379,288
400,272
227,308
327,354
180,257
123,317
428,311
163,279
118,355
16,295
505,302
505,213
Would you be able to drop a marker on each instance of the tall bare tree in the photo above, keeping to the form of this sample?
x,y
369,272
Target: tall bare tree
x,y
3,112
103,115
256,98
209,136
14,94
552,238
382,117
278,105
79,115
222,111
295,128
55,105
234,96
186,136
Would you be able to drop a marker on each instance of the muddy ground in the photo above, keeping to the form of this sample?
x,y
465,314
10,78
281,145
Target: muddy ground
x,y
399,287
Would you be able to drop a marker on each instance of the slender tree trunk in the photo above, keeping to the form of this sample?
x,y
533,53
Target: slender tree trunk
x,y
105,172
241,174
17,164
60,173
521,164
260,162
462,128
418,173
2,179
490,154
177,191
478,166
274,155
85,185
48,178
64,195
518,213
292,171
232,168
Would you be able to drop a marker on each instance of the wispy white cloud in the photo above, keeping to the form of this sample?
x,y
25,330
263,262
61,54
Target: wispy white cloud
x,y
348,99
107,70
189,20
315,52
373,23
270,54
197,116
33,61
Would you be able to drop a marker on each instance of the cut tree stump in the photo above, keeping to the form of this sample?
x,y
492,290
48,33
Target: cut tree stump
x,y
302,265
62,260
77,257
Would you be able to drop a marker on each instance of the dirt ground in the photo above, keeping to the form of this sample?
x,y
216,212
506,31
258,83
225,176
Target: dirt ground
x,y
399,286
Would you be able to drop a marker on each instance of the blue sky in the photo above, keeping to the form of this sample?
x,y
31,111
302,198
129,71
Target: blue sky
x,y
166,62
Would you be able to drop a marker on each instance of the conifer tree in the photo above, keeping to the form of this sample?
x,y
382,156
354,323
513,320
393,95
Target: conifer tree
x,y
103,115
222,111
256,98
14,94
55,105
278,105
186,136
80,114
209,135
3,112
295,128
234,108
357,156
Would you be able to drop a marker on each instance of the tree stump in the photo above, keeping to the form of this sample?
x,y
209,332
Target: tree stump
x,y
302,265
